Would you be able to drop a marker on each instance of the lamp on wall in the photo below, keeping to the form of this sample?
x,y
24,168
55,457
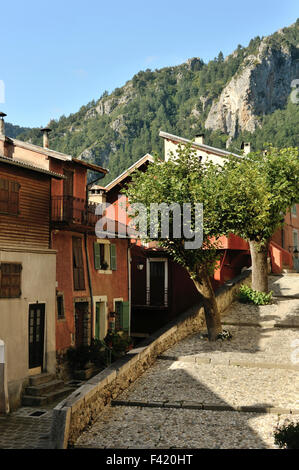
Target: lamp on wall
x,y
140,266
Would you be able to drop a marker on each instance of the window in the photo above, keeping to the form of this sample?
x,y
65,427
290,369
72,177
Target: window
x,y
105,256
294,210
295,239
78,266
9,196
60,306
122,315
10,280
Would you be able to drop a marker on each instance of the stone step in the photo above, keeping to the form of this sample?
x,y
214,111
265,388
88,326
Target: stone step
x,y
44,388
35,380
30,400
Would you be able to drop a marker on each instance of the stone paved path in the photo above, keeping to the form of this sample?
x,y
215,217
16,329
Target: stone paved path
x,y
191,397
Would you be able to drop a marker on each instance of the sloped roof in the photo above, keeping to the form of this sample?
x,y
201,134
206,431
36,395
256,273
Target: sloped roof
x,y
22,164
204,147
146,158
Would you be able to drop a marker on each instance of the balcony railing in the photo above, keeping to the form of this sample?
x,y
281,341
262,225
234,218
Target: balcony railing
x,y
73,210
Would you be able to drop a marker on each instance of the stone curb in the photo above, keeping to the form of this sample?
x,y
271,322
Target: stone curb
x,y
205,406
261,325
81,408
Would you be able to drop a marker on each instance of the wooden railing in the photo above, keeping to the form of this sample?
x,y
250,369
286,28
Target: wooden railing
x,y
73,210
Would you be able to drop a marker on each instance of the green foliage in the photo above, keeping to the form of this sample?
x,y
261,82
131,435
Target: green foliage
x,y
78,357
119,342
257,191
287,435
249,296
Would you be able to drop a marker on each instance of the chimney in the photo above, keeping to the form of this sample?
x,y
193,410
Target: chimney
x,y
45,132
246,147
199,139
2,125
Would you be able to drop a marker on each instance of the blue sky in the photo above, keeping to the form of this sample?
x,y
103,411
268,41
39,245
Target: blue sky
x,y
58,55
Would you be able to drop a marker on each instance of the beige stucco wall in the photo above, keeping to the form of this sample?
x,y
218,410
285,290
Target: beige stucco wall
x,y
28,156
172,147
38,284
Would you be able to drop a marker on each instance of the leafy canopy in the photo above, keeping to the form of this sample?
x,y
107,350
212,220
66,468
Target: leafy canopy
x,y
257,191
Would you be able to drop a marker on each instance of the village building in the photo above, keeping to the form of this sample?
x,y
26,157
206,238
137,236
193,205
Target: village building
x,y
27,271
92,275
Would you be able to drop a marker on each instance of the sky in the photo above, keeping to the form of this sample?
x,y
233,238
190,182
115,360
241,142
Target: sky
x,y
59,55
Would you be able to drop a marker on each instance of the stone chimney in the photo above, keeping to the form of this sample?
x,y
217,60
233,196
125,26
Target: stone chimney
x,y
46,131
246,147
199,139
2,125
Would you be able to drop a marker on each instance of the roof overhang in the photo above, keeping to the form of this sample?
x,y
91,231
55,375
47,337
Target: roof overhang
x,y
146,158
206,148
26,166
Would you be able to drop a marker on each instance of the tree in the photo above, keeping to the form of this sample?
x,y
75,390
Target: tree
x,y
182,180
257,191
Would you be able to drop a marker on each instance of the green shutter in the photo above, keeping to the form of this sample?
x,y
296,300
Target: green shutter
x,y
113,257
97,256
125,316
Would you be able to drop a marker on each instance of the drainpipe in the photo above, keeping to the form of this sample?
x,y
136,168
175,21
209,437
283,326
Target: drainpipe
x,y
129,284
87,259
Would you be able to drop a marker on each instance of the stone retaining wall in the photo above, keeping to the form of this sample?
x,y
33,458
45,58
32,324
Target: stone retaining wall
x,y
82,407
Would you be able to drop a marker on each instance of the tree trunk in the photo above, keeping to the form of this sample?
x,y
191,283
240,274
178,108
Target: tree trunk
x,y
259,254
212,314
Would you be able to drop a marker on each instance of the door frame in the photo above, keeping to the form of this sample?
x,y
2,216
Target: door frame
x,y
148,279
41,368
104,299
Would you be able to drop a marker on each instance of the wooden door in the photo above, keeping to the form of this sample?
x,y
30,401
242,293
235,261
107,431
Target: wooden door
x,y
157,282
81,323
36,335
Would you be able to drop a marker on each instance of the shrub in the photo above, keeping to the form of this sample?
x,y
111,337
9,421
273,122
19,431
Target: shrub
x,y
78,357
286,436
119,342
249,296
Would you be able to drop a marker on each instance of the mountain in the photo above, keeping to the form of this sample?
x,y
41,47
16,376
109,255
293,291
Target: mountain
x,y
14,131
245,96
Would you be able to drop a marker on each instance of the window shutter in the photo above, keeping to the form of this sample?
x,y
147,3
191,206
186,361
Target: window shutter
x,y
13,197
97,256
4,195
113,257
125,316
10,280
78,267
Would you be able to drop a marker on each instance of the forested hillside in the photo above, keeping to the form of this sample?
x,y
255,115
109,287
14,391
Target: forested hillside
x,y
191,98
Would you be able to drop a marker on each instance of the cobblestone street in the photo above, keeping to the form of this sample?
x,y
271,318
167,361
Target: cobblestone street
x,y
192,396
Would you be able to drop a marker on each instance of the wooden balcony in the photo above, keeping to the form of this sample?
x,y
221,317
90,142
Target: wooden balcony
x,y
73,211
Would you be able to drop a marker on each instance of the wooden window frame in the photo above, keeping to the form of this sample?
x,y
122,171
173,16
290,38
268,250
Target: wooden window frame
x,y
60,295
13,291
12,201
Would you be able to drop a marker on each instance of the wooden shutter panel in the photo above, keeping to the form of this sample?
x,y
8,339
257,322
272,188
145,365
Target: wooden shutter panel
x,y
13,197
4,195
113,264
97,256
10,280
125,316
78,266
